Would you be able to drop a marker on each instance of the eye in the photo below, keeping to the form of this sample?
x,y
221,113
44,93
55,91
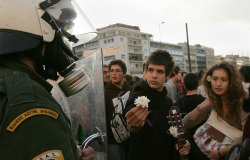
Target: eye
x,y
224,80
150,69
160,71
214,78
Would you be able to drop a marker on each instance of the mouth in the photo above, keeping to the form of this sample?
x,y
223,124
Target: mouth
x,y
153,82
218,89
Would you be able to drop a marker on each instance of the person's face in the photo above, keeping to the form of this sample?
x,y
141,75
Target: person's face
x,y
220,82
178,76
184,76
156,77
106,74
116,74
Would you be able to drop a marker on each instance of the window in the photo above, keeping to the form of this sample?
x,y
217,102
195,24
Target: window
x,y
121,39
109,58
122,56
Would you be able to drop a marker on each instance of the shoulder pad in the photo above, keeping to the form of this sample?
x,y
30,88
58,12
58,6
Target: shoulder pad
x,y
19,88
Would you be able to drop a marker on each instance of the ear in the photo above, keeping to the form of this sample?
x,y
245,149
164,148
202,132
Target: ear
x,y
168,76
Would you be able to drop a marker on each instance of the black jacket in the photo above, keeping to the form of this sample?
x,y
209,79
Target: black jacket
x,y
111,92
188,103
152,142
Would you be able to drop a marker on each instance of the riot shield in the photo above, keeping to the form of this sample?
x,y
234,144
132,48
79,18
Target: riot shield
x,y
87,108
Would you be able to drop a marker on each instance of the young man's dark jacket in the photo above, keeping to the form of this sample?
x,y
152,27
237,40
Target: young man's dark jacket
x,y
188,103
152,142
31,121
111,92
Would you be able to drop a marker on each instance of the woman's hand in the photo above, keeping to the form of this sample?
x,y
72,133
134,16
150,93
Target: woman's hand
x,y
213,155
206,103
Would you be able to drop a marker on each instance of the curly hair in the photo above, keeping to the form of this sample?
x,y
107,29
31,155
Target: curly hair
x,y
235,94
119,63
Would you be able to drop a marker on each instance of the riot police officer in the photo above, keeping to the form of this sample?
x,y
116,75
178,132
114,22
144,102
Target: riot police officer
x,y
33,36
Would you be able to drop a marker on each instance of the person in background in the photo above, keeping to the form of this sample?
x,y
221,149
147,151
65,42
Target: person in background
x,y
128,78
245,73
136,78
223,106
117,84
149,127
183,74
106,78
171,84
143,78
201,89
189,102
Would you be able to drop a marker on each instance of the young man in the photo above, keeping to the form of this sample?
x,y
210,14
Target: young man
x,y
106,78
171,84
149,126
191,100
117,70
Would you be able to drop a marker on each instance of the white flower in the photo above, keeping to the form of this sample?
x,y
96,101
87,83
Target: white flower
x,y
142,101
209,78
173,131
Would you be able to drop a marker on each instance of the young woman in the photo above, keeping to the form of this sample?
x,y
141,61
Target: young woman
x,y
223,111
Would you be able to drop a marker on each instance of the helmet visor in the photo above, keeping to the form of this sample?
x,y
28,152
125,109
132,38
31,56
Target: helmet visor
x,y
69,19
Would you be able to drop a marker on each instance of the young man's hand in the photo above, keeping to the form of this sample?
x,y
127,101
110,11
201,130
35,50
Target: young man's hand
x,y
185,149
86,153
136,116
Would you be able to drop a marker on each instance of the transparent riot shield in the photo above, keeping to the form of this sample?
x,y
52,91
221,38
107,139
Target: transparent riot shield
x,y
87,108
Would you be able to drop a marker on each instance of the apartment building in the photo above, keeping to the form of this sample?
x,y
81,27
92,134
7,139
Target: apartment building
x,y
234,60
121,41
174,49
126,42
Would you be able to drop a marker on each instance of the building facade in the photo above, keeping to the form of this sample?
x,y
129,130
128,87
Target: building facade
x,y
174,49
128,43
234,60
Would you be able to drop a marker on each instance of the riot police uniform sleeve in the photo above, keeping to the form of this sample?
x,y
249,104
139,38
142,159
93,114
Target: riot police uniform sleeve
x,y
33,126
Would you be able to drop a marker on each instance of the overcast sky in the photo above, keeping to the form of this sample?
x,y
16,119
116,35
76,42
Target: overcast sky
x,y
221,24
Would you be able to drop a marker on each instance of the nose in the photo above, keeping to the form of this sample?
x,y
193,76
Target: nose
x,y
154,74
218,83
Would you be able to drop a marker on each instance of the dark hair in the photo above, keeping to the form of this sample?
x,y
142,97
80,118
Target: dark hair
x,y
119,63
128,78
143,67
175,71
245,72
137,78
200,74
182,73
161,57
235,89
105,66
191,81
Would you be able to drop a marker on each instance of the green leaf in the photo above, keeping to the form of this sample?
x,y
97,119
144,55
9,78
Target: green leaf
x,y
80,134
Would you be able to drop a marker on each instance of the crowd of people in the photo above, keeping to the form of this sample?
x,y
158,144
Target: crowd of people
x,y
211,104
214,103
